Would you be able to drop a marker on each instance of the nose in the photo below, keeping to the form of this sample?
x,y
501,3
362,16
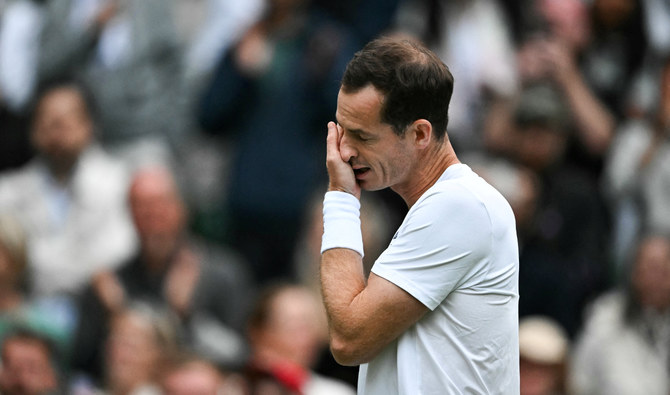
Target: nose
x,y
347,149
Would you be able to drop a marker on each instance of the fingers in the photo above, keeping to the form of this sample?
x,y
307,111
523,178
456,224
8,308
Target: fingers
x,y
332,141
339,170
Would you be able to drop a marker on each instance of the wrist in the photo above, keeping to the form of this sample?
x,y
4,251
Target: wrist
x,y
341,222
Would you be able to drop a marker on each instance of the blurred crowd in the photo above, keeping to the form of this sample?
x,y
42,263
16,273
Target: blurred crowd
x,y
162,169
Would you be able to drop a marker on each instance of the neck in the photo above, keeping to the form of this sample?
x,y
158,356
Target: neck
x,y
61,170
430,167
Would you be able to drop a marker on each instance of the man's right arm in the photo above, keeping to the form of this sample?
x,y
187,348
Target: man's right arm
x,y
364,317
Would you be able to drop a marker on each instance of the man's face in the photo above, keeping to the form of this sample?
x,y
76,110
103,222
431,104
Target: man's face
x,y
378,156
62,127
539,147
295,328
155,205
157,212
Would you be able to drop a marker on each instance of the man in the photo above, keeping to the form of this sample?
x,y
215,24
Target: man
x,y
70,198
623,346
206,287
438,313
127,53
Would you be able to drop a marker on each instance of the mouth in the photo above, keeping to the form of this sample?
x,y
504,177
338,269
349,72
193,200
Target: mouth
x,y
361,171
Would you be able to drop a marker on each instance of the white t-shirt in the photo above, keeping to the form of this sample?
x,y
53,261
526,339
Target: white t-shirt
x,y
456,252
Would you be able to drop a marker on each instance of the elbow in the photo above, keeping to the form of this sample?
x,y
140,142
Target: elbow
x,y
347,352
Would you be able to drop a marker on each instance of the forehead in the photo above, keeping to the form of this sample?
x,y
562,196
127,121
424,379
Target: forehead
x,y
360,109
62,98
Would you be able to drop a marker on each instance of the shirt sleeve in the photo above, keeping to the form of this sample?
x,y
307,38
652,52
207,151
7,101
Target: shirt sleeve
x,y
441,245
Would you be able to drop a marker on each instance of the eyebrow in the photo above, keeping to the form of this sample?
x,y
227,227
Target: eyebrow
x,y
359,132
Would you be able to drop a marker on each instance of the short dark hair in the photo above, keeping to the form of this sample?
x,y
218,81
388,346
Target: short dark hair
x,y
415,83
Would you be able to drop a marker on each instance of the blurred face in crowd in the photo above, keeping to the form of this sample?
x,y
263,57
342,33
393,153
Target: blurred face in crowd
x,y
651,275
26,368
539,378
539,146
567,20
380,158
62,128
194,378
157,211
294,329
133,352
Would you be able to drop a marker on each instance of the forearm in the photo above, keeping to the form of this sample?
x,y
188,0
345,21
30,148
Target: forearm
x,y
342,281
595,124
353,336
342,275
364,317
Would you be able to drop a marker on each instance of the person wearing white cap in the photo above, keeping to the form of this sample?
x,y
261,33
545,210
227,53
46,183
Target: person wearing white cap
x,y
543,351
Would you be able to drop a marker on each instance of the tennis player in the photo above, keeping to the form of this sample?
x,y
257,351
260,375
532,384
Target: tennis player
x,y
438,313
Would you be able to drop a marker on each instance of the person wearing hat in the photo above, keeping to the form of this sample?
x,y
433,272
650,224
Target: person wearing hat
x,y
543,352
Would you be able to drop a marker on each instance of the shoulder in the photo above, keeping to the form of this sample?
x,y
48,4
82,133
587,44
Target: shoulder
x,y
20,182
606,313
101,176
469,199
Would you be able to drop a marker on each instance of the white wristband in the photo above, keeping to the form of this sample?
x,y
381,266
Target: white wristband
x,y
341,222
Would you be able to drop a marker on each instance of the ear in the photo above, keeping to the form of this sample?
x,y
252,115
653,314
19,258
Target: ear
x,y
422,131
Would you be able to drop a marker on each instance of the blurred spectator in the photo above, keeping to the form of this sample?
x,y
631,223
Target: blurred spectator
x,y
20,26
543,351
28,366
207,28
287,331
562,263
70,199
637,174
273,92
127,52
17,310
474,38
615,51
141,340
561,44
207,288
624,348
192,375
